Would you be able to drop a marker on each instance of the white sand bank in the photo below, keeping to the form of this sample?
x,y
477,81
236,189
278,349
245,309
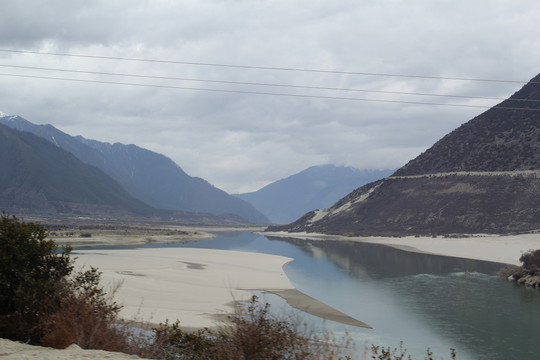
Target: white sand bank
x,y
192,285
11,350
503,249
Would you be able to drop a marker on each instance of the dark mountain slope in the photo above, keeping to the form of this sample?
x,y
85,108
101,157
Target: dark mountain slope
x,y
317,187
483,177
146,175
431,206
36,175
497,140
156,179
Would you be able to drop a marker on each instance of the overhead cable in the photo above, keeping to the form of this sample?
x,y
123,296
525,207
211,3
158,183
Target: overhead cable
x,y
257,83
266,93
260,67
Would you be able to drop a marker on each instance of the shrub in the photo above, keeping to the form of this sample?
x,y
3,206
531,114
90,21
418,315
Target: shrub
x,y
87,316
382,353
30,274
253,333
172,342
531,260
41,303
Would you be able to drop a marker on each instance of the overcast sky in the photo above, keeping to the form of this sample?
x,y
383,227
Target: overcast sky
x,y
240,141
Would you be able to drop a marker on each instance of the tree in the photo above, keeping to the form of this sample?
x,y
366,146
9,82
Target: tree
x,y
31,271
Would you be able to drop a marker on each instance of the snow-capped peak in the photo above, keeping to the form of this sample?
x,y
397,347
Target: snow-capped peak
x,y
2,114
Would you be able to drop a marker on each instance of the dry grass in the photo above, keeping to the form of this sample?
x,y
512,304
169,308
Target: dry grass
x,y
251,333
87,316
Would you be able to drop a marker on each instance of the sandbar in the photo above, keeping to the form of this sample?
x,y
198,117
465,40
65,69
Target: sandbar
x,y
196,286
306,303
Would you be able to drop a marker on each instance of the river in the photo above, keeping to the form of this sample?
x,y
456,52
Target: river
x,y
424,301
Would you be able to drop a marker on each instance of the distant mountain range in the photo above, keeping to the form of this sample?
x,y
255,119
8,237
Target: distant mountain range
x,y
484,177
147,176
38,176
317,187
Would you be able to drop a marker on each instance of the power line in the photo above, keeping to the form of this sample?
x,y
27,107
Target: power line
x,y
259,83
264,93
261,67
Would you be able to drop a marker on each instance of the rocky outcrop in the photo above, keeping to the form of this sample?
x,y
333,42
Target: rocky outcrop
x,y
526,279
530,280
528,273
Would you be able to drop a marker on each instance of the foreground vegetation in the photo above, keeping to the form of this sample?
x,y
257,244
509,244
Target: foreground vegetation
x,y
43,301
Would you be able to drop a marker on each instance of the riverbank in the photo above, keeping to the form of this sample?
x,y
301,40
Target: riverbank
x,y
90,237
505,249
197,286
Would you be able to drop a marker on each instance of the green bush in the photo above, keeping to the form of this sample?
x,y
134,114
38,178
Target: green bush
x,y
30,274
42,302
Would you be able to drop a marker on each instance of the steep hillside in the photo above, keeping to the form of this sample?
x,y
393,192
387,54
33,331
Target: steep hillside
x,y
38,176
317,187
504,138
146,175
484,177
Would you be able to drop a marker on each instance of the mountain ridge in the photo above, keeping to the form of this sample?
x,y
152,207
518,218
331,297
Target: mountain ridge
x,y
483,177
490,141
38,175
148,176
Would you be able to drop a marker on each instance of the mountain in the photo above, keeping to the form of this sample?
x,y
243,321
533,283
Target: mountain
x,y
317,187
148,176
483,177
38,177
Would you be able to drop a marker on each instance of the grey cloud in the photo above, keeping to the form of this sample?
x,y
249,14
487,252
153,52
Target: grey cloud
x,y
242,141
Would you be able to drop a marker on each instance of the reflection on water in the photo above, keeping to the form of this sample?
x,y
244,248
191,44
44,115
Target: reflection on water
x,y
478,312
378,261
433,301
422,300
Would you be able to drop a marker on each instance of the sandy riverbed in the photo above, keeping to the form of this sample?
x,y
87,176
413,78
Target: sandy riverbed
x,y
196,286
193,285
